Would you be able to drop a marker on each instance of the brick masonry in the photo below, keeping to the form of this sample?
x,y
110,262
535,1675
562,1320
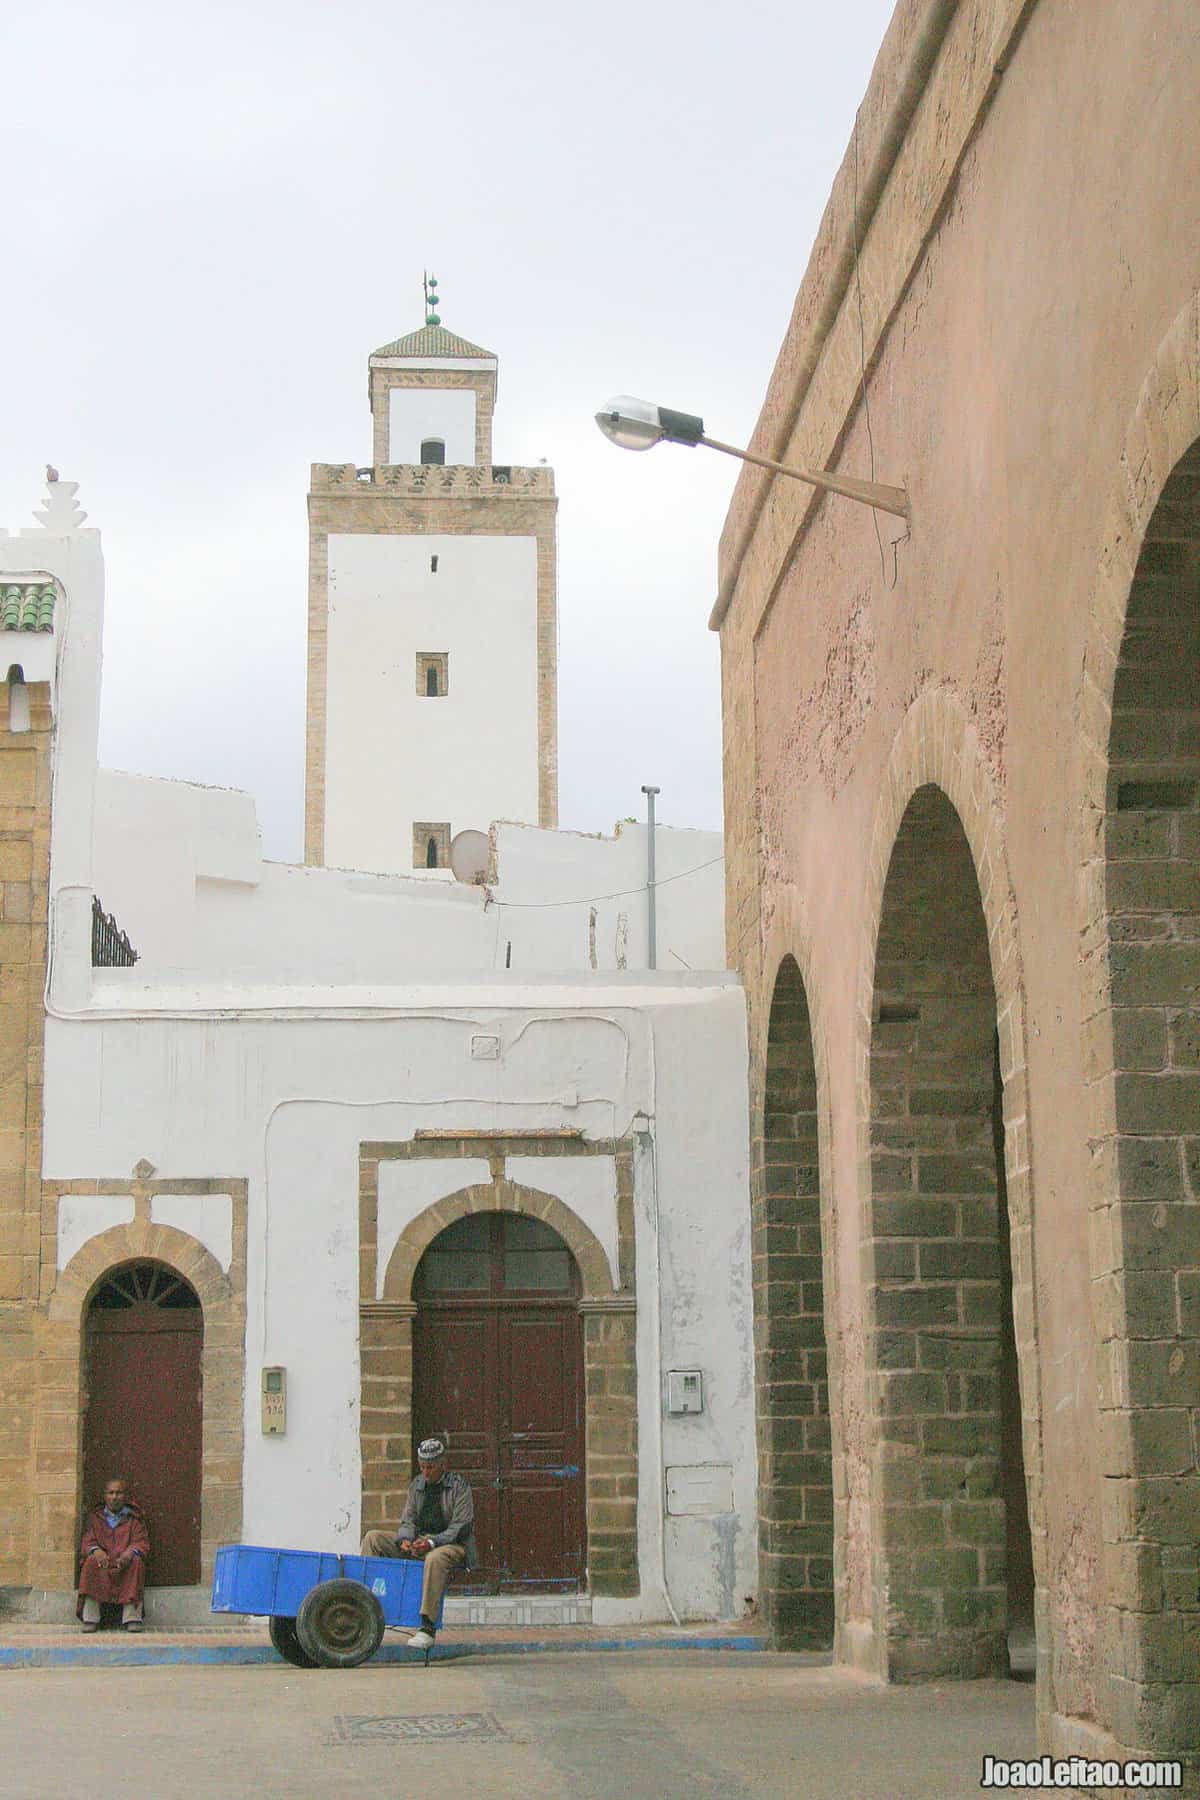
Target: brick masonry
x,y
24,887
1141,897
608,1321
795,1454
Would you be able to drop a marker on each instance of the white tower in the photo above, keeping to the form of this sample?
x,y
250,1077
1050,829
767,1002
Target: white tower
x,y
431,622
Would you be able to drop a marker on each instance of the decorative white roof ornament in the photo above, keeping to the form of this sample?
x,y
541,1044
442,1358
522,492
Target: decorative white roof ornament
x,y
61,512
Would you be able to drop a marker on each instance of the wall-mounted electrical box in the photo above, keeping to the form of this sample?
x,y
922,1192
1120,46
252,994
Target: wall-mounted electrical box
x,y
274,1402
685,1391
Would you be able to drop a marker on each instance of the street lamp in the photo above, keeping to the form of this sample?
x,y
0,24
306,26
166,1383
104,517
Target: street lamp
x,y
639,425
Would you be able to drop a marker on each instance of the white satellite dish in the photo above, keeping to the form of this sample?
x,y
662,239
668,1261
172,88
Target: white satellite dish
x,y
469,851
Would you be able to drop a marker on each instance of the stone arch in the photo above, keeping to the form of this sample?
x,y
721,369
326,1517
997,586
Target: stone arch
x,y
1139,884
794,1279
609,1328
509,1196
58,1412
937,763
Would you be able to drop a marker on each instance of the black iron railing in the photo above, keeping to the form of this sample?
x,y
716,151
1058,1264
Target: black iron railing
x,y
111,949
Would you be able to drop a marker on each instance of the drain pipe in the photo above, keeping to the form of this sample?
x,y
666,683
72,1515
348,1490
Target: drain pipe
x,y
651,920
645,1135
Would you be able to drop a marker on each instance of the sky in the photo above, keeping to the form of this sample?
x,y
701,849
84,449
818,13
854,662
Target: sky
x,y
214,214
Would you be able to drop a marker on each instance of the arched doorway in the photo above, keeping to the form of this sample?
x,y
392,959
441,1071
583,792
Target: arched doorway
x,y
1148,1299
954,1567
795,1458
498,1365
143,1337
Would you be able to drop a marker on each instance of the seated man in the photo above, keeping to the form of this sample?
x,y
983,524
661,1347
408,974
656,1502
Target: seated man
x,y
115,1547
438,1525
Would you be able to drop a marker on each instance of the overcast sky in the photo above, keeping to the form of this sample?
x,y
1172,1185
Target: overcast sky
x,y
214,214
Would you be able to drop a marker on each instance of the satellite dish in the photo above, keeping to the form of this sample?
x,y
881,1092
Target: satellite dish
x,y
469,851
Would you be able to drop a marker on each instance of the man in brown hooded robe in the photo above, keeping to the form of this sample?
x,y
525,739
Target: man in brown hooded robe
x,y
115,1547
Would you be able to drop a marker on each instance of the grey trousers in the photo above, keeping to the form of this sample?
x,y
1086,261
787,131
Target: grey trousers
x,y
440,1564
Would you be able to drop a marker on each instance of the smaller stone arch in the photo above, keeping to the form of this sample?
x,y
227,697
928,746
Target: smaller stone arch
x,y
58,1397
501,1196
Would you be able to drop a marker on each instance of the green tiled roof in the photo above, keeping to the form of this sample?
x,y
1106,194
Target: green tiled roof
x,y
26,606
431,340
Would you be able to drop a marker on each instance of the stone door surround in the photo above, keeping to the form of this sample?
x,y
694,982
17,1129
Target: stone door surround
x,y
58,1388
609,1330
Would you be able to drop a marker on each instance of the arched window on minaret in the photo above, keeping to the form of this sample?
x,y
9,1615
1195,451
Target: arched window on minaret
x,y
18,699
431,860
433,451
431,681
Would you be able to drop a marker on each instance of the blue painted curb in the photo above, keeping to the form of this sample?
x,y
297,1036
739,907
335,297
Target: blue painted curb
x,y
146,1656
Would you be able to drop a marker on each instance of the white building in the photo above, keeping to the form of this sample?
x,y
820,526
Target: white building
x,y
248,1140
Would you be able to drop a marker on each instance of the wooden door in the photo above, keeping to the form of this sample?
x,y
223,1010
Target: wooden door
x,y
143,1417
498,1366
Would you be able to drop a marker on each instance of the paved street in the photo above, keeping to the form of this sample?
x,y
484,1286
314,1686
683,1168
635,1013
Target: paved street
x,y
591,1727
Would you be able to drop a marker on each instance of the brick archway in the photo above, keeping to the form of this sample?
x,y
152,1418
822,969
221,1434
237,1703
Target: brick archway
x,y
609,1322
798,1392
57,1407
937,749
1137,879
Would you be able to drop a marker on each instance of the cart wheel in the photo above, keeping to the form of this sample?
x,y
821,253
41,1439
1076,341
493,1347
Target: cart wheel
x,y
283,1636
340,1624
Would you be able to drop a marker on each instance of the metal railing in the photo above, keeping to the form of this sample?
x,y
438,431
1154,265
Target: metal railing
x,y
111,949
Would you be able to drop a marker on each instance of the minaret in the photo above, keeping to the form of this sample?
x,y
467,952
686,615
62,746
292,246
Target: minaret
x,y
432,658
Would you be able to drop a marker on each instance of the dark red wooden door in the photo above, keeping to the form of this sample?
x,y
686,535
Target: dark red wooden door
x,y
498,1365
143,1419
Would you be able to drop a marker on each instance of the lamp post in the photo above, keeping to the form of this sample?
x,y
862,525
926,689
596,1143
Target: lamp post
x,y
651,908
639,425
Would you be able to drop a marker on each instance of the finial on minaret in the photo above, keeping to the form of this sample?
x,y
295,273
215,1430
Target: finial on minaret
x,y
61,511
432,316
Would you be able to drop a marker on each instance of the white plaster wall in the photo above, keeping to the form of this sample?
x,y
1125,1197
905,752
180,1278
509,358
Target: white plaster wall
x,y
416,413
287,1101
394,756
406,1189
84,1216
550,881
179,866
206,1217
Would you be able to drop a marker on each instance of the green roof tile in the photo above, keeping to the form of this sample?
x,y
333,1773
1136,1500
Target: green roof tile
x,y
431,340
27,606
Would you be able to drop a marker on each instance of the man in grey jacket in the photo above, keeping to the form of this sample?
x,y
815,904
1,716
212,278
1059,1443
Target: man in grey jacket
x,y
437,1526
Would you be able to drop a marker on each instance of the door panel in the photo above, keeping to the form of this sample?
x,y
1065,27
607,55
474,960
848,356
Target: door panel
x,y
504,1379
144,1421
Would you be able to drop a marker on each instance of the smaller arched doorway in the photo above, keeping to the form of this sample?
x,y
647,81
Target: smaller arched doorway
x,y
498,1365
143,1338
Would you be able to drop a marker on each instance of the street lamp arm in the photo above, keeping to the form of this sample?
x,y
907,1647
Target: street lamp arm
x,y
874,493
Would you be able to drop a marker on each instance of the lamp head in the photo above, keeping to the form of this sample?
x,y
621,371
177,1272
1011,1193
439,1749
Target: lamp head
x,y
639,425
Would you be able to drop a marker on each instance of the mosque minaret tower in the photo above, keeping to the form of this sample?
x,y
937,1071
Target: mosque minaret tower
x,y
432,622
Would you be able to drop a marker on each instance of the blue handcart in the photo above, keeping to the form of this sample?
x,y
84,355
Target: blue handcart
x,y
326,1611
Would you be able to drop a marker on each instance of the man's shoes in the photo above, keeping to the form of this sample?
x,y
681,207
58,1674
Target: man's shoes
x,y
134,1625
88,1625
421,1640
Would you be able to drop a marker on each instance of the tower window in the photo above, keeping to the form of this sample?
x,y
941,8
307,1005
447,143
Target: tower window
x,y
433,451
433,674
431,845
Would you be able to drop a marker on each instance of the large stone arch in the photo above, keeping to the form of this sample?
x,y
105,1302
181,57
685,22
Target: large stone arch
x,y
798,1376
1134,731
58,1411
937,749
609,1326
